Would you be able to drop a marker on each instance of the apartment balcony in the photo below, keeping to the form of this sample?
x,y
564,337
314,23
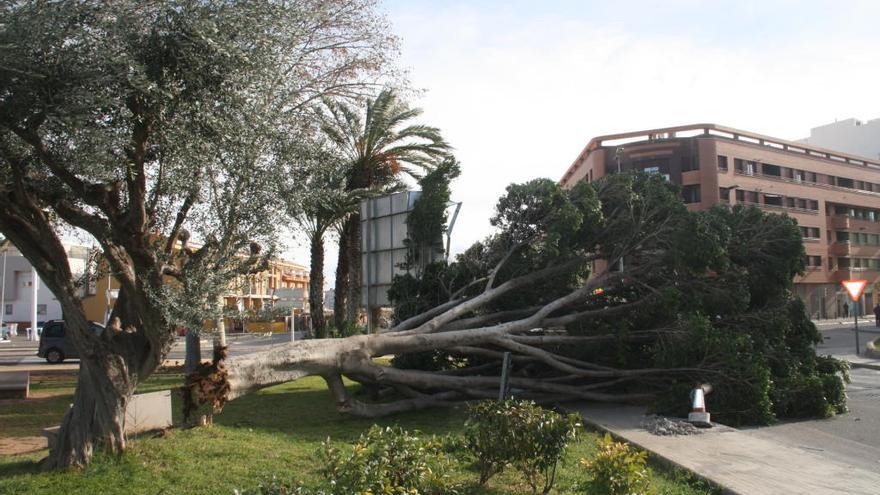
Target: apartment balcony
x,y
854,250
844,222
868,274
802,182
812,275
289,275
779,209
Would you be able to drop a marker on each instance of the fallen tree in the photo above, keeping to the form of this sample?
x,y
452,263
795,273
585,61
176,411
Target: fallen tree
x,y
611,291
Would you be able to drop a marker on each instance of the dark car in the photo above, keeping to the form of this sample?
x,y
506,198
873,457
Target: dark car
x,y
54,344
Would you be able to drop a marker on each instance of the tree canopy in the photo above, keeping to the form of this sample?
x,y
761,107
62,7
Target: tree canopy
x,y
157,127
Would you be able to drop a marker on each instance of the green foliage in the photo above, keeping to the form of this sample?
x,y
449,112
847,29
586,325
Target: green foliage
x,y
617,469
426,223
387,461
520,434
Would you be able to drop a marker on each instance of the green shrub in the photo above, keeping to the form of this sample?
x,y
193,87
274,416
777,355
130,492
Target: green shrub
x,y
617,469
388,461
519,434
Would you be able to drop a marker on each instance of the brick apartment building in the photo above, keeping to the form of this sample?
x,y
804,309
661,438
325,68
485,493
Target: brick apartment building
x,y
834,196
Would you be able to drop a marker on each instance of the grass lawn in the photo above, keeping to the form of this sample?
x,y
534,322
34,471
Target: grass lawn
x,y
272,432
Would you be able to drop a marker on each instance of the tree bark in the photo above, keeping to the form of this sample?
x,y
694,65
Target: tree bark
x,y
316,287
97,416
340,301
355,274
111,367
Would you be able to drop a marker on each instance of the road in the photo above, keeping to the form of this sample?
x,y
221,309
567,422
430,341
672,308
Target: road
x,y
23,353
854,437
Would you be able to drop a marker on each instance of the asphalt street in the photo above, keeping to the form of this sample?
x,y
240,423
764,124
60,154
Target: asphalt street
x,y
853,437
21,352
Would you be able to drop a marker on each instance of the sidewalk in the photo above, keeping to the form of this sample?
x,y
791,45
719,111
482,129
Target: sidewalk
x,y
737,460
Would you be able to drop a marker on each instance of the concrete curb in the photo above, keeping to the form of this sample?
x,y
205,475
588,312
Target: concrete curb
x,y
658,458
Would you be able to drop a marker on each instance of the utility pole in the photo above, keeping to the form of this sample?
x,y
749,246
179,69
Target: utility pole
x,y
221,323
34,287
3,288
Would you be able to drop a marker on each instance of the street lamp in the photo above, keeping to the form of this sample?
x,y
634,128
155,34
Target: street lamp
x,y
618,153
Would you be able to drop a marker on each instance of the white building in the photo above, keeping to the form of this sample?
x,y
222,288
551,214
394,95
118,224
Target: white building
x,y
17,285
852,136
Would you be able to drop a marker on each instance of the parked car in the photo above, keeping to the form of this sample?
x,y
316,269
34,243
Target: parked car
x,y
55,346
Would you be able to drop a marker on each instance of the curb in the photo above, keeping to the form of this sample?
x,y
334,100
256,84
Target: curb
x,y
660,459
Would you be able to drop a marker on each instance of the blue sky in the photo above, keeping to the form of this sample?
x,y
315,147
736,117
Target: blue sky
x,y
518,87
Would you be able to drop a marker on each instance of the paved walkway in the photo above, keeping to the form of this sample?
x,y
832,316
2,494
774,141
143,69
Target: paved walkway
x,y
737,460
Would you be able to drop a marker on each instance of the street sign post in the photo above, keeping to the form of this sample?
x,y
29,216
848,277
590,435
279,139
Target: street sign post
x,y
855,288
293,298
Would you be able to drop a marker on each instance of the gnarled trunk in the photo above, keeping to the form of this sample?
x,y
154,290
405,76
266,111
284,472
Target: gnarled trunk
x,y
111,367
316,287
97,416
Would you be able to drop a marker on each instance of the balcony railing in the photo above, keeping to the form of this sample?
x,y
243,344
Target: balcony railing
x,y
776,207
802,182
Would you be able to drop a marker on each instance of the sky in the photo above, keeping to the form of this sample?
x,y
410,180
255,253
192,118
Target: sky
x,y
518,88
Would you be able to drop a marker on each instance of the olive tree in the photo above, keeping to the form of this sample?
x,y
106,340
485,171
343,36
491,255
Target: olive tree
x,y
154,126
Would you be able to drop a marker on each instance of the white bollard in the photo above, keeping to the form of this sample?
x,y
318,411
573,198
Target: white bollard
x,y
698,415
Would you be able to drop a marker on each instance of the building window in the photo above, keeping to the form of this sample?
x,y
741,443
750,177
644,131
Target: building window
x,y
41,309
797,175
842,236
771,170
773,200
814,261
691,193
722,163
847,183
740,195
688,163
8,309
751,168
810,232
724,193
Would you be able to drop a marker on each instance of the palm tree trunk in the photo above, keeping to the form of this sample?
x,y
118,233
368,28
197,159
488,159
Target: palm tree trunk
x,y
316,287
340,306
354,267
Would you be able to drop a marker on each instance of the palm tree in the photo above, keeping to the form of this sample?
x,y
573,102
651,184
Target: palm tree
x,y
378,149
322,204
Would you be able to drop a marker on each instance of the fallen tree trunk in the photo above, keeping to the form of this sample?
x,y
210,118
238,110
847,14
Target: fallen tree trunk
x,y
354,357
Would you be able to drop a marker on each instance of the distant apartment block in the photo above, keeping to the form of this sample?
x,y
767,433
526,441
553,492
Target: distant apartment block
x,y
18,280
856,137
834,196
